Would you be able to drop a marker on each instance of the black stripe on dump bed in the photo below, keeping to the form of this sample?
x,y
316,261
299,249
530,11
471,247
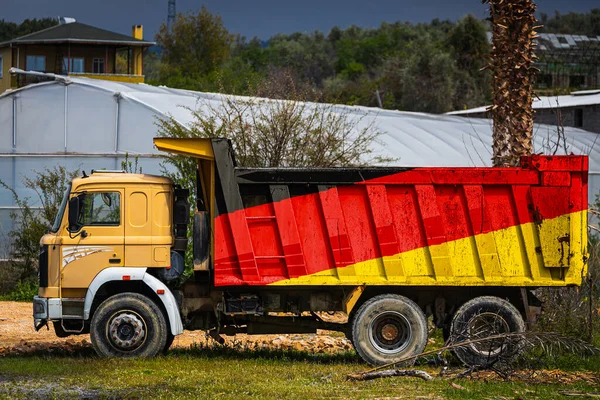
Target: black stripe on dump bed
x,y
232,183
315,176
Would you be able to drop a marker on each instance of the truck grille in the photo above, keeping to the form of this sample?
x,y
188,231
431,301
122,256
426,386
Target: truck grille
x,y
43,266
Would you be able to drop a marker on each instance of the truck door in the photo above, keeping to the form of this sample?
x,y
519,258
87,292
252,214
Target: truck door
x,y
99,244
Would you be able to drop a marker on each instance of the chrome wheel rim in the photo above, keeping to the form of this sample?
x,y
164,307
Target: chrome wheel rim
x,y
126,331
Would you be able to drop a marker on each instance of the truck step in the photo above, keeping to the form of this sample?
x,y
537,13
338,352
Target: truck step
x,y
65,316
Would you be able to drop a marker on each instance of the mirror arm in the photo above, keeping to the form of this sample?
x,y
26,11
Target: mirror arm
x,y
83,233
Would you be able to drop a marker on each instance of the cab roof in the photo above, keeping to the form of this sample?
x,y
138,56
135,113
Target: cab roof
x,y
120,178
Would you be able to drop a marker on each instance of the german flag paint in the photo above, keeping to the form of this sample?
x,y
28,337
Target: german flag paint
x,y
522,226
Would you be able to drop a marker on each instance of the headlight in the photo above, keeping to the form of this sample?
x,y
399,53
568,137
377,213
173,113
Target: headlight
x,y
38,308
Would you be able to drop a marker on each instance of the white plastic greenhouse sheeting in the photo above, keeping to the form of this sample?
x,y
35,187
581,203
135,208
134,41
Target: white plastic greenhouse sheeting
x,y
578,99
92,124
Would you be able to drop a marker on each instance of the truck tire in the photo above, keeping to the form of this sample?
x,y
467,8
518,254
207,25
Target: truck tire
x,y
481,317
388,328
128,325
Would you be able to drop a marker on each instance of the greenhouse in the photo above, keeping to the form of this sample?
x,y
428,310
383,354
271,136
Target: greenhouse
x,y
89,124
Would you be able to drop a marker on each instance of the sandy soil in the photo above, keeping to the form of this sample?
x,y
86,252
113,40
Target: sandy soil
x,y
17,334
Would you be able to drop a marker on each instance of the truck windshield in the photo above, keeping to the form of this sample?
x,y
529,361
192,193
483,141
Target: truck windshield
x,y
61,210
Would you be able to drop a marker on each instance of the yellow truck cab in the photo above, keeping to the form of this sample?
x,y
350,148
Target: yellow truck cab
x,y
123,227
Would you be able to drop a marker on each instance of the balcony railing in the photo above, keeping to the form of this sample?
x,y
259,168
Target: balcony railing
x,y
110,77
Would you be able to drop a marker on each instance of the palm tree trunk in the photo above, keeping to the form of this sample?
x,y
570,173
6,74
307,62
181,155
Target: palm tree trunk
x,y
513,32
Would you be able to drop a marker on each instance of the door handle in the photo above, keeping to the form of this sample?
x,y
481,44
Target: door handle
x,y
114,260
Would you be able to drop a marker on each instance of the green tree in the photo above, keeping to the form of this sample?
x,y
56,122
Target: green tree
x,y
197,45
352,66
10,30
470,48
423,81
151,67
469,43
270,133
250,53
309,56
572,23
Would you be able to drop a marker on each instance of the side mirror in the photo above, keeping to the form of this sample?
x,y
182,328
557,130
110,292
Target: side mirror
x,y
106,199
74,204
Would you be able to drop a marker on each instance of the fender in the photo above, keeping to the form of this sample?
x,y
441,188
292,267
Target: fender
x,y
135,274
168,301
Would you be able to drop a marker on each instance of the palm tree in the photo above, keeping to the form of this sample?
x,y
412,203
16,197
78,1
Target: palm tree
x,y
513,75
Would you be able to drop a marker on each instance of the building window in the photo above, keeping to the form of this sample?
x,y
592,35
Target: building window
x,y
98,66
578,118
1,66
76,65
35,63
544,81
576,81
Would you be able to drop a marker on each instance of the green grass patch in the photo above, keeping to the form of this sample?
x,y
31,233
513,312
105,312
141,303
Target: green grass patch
x,y
231,373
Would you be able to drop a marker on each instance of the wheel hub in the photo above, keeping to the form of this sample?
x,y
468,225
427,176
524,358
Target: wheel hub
x,y
126,331
390,332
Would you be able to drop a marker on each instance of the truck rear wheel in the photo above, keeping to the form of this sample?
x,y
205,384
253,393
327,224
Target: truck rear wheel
x,y
128,325
482,317
388,328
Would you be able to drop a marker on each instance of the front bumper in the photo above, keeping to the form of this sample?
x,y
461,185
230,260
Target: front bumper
x,y
40,312
45,309
40,308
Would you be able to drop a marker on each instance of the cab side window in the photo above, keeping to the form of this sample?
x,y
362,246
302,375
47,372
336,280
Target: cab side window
x,y
101,209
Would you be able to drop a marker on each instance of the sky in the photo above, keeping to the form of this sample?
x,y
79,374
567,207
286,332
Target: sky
x,y
263,18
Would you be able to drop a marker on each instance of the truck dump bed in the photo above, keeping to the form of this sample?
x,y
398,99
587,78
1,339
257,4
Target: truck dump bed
x,y
522,226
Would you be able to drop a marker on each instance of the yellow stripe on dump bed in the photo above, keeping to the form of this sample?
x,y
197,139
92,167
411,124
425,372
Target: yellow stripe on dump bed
x,y
508,257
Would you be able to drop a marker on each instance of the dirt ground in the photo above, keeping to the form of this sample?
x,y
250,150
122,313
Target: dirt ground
x,y
17,335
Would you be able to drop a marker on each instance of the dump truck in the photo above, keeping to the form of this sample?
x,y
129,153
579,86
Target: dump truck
x,y
274,250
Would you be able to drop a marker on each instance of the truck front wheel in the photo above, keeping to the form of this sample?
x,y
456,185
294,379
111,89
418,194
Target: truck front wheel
x,y
128,325
388,328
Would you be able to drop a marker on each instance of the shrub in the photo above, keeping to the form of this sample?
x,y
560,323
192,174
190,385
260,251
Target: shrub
x,y
31,223
23,291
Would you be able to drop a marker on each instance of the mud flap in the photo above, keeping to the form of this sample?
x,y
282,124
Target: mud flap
x,y
201,240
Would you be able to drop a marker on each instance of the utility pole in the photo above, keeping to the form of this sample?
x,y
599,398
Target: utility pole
x,y
171,14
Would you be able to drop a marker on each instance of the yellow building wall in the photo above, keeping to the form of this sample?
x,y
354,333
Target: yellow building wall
x,y
5,80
